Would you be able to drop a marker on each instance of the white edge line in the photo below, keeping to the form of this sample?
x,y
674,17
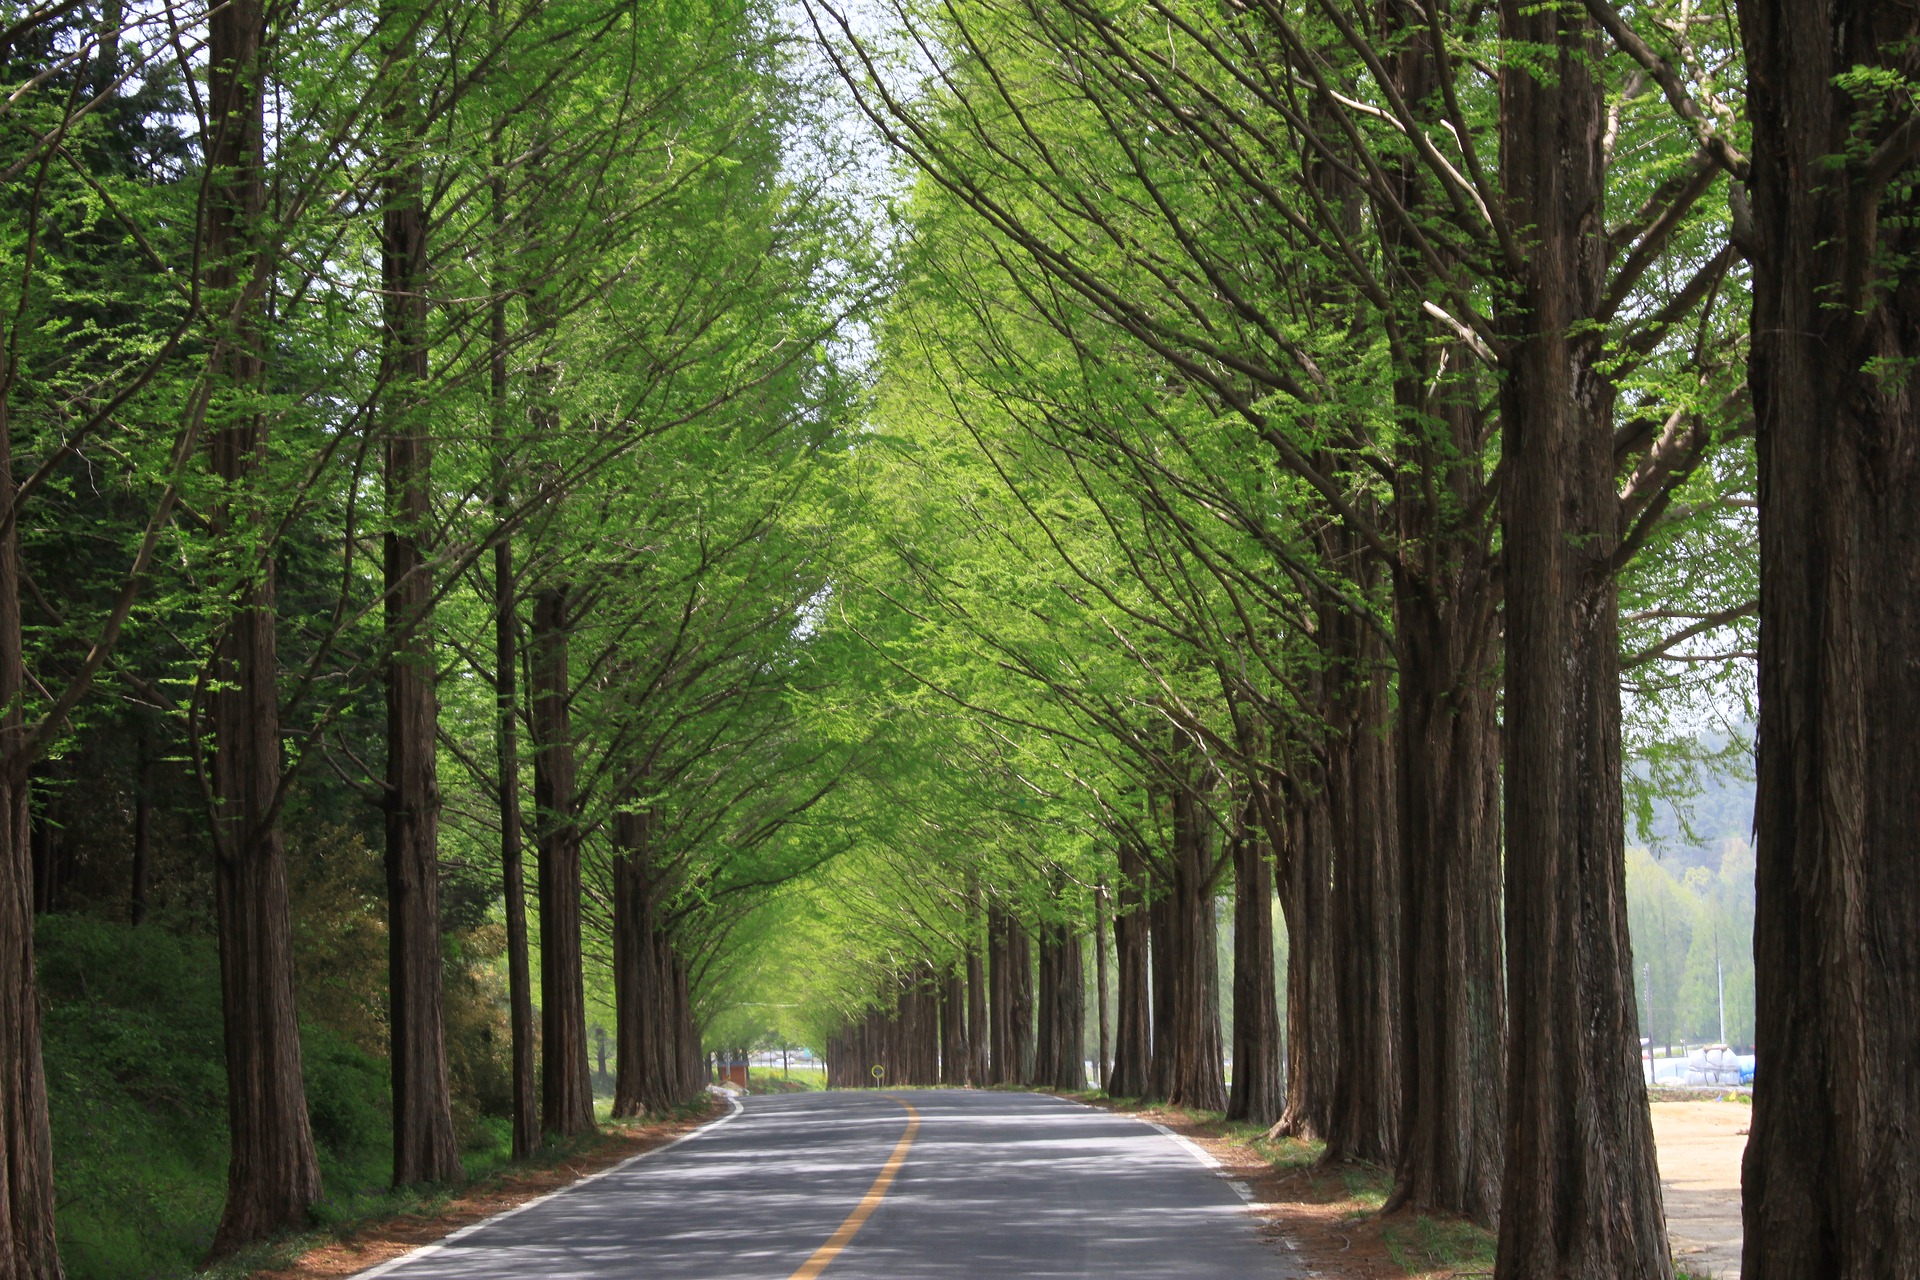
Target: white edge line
x,y
426,1250
1193,1148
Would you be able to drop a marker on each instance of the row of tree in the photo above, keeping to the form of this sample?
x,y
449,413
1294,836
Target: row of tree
x,y
1297,424
411,416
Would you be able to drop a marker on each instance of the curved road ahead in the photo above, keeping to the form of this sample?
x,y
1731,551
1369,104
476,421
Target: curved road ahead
x,y
882,1186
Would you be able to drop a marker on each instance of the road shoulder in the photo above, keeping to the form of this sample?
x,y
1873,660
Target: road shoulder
x,y
362,1246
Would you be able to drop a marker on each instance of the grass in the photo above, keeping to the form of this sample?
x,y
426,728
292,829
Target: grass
x,y
136,1088
1420,1244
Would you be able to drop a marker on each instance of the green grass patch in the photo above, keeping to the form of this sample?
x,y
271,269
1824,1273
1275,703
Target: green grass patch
x,y
1422,1244
136,1084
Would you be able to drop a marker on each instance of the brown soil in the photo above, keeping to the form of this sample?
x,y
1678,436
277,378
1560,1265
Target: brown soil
x,y
370,1244
1324,1218
1700,1145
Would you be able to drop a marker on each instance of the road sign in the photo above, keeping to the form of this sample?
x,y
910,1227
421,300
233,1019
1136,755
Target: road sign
x,y
879,1072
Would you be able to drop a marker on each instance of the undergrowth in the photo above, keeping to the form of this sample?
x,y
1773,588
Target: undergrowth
x,y
136,1088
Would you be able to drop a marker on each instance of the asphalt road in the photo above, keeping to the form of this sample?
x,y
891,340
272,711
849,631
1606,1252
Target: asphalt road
x,y
990,1184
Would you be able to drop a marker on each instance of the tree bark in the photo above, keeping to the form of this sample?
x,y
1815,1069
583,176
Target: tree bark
x,y
1197,1077
1133,1030
1162,948
1453,1009
1363,1111
566,1080
1581,1194
978,1032
1832,1177
1002,1066
1060,1062
425,1148
1306,882
1020,1010
645,1030
953,1029
1258,1095
27,1244
272,1174
1102,1012
506,722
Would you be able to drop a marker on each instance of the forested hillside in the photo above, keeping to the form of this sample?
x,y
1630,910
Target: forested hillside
x,y
551,537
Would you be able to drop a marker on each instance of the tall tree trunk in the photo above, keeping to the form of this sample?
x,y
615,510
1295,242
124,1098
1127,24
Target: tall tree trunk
x,y
27,1245
566,1080
1102,1012
978,1032
1832,1175
1305,888
1197,1076
1453,1008
1258,1095
506,728
1002,1066
1069,1011
1133,1030
506,696
953,1029
1060,1057
1363,1112
1020,1010
1046,1041
272,1174
1581,1193
424,1145
1452,1005
642,994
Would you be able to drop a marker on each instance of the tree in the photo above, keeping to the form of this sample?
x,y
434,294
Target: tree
x,y
1581,1192
424,1145
1830,1181
273,1175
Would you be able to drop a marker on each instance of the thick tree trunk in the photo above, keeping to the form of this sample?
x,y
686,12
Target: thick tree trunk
x,y
27,1246
1832,1176
1452,1003
1363,1111
272,1174
1046,1045
1258,1095
566,1081
1020,1005
1133,1029
1060,1060
1453,1011
645,1029
1196,1074
1581,1193
1306,883
953,1029
424,1145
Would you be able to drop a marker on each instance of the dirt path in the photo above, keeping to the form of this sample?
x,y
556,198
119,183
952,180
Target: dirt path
x,y
1700,1144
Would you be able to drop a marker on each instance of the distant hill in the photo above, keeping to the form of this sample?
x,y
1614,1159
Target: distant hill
x,y
1722,810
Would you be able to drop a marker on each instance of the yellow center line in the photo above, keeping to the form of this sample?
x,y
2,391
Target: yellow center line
x,y
868,1203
